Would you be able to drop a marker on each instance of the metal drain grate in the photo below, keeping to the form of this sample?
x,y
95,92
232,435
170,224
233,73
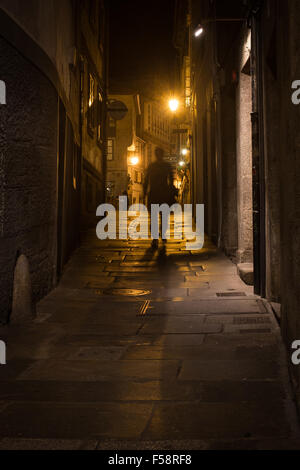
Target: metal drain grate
x,y
127,292
251,321
256,331
231,294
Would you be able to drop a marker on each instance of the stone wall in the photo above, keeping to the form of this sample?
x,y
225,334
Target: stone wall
x,y
93,57
272,138
244,153
125,137
229,170
51,25
289,70
28,150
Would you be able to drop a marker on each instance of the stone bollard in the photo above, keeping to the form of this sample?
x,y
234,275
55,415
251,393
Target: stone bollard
x,y
22,307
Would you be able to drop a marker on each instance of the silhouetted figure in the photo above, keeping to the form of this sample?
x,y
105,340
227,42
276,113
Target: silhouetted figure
x,y
158,185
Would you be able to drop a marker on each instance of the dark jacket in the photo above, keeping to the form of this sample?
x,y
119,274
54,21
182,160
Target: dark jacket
x,y
159,180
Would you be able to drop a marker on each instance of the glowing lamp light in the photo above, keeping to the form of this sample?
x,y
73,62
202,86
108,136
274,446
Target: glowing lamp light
x,y
182,163
174,105
134,161
184,152
199,31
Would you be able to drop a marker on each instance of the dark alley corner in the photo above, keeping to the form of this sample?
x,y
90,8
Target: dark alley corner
x,y
123,344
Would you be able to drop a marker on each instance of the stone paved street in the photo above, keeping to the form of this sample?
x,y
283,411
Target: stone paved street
x,y
196,362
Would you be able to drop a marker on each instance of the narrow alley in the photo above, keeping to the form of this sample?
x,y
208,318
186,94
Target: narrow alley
x,y
138,349
117,116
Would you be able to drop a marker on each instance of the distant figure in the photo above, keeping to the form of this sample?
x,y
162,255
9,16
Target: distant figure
x,y
158,185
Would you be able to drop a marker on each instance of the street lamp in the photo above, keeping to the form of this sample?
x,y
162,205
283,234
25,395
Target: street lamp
x,y
173,105
182,163
184,152
199,30
134,161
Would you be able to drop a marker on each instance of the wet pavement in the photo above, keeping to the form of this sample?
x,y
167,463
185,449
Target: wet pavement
x,y
143,350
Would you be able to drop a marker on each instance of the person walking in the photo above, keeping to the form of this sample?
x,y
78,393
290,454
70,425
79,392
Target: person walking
x,y
158,186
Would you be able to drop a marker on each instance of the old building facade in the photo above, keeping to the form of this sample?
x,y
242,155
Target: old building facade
x,y
132,142
245,155
51,141
93,82
125,151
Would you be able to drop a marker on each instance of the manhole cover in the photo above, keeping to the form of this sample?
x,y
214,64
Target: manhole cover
x,y
127,292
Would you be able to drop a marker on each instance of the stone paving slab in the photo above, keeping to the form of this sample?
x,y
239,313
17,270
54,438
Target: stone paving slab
x,y
248,329
113,329
207,444
47,444
247,339
89,282
121,269
101,313
240,320
183,347
180,325
74,421
229,370
181,339
206,307
98,392
92,371
202,445
156,276
178,368
216,420
135,391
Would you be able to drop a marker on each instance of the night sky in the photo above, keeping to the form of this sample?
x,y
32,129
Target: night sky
x,y
141,46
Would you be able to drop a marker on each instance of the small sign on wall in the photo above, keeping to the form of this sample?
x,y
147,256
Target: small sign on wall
x,y
2,92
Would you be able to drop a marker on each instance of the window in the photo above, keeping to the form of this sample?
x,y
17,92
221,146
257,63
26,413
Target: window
x,y
112,129
110,149
187,80
91,104
99,117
